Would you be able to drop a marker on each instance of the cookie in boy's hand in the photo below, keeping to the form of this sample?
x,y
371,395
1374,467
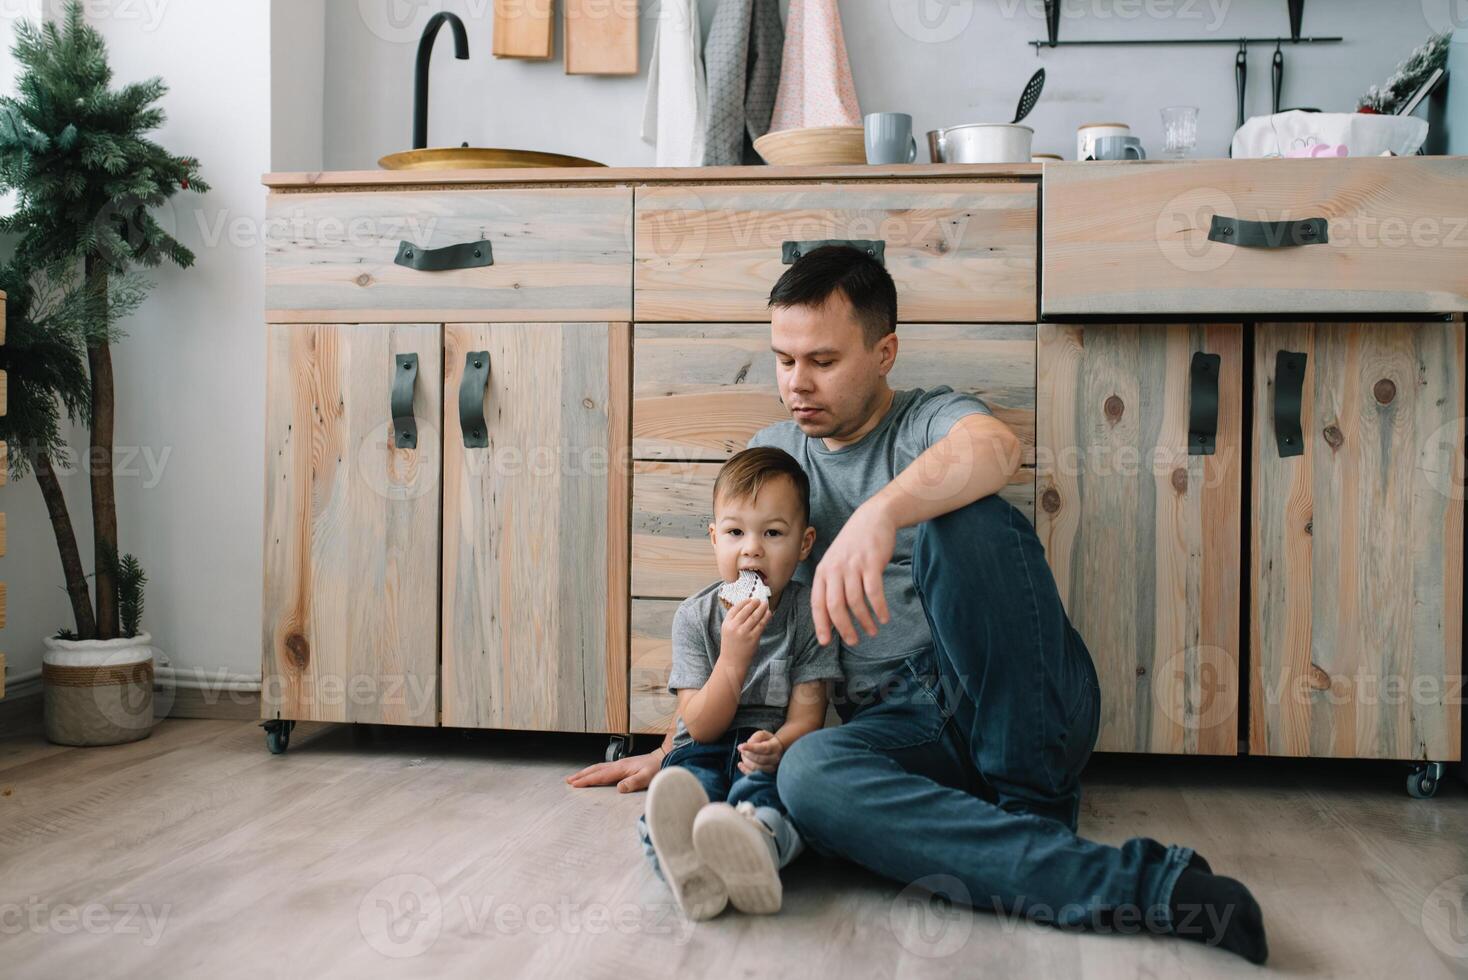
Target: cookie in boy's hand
x,y
747,586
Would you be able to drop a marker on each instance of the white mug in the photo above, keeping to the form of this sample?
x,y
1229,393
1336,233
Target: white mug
x,y
1087,135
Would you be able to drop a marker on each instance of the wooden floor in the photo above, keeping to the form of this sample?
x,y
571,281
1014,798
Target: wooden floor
x,y
195,852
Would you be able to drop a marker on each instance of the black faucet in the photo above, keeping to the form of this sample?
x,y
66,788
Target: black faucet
x,y
420,78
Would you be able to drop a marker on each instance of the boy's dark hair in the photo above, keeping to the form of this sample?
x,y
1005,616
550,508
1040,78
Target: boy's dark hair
x,y
863,280
745,472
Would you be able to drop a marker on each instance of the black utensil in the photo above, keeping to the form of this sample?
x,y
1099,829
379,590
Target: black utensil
x,y
1030,95
1241,75
1278,74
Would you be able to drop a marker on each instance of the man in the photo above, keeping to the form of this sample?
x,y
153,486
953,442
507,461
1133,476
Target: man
x,y
970,704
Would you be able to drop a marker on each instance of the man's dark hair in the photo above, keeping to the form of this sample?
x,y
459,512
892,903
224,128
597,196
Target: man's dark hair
x,y
747,471
860,278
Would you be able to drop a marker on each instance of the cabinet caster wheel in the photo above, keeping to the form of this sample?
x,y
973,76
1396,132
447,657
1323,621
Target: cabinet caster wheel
x,y
617,748
1423,780
277,735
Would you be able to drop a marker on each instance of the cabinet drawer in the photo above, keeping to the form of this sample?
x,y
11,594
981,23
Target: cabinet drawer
x,y
558,254
1123,238
958,252
700,390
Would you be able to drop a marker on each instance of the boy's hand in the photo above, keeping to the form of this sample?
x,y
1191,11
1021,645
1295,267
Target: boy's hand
x,y
742,628
761,753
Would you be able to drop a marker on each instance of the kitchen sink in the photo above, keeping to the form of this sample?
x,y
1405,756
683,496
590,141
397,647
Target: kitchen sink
x,y
478,158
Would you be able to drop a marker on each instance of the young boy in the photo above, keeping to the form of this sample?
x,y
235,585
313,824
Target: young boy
x,y
750,680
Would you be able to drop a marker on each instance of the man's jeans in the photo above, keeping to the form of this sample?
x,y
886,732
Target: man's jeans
x,y
716,766
961,773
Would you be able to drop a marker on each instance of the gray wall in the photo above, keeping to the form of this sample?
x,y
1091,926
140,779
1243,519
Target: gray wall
x,y
944,61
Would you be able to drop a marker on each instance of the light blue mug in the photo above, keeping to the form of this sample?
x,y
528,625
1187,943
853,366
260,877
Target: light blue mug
x,y
889,138
1119,148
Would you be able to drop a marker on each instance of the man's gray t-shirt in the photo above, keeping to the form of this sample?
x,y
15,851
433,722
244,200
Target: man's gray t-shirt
x,y
788,654
843,479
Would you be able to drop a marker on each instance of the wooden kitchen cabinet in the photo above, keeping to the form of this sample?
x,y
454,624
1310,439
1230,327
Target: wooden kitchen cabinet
x,y
1356,623
1235,598
535,526
351,526
1138,499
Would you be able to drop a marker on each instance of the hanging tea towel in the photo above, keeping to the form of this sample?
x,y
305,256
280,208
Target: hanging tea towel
x,y
675,111
815,82
742,60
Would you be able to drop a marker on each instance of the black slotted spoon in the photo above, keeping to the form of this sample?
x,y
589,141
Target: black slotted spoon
x,y
1030,95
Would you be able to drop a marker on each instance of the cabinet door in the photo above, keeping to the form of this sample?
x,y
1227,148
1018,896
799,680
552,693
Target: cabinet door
x,y
1357,602
1142,535
535,554
351,525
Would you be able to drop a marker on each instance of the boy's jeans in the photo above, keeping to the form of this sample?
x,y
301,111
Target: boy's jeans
x,y
716,764
962,771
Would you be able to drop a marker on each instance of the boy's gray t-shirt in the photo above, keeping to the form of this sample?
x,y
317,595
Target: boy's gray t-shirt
x,y
843,479
788,654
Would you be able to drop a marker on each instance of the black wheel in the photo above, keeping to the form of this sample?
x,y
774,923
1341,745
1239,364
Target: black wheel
x,y
617,748
278,735
1423,780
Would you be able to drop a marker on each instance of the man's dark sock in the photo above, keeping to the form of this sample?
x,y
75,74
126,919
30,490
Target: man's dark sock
x,y
1218,911
1199,863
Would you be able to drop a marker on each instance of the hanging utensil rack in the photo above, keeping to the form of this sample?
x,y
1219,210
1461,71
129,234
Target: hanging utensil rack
x,y
1297,15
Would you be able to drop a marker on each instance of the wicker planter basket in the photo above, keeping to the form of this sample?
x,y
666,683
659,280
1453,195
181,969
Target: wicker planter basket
x,y
98,692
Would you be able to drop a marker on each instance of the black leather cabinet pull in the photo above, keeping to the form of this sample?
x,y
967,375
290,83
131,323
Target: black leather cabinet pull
x,y
404,423
1203,404
465,255
1289,384
471,399
1268,234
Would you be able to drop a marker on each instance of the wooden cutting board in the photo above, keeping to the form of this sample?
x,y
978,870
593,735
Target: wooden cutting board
x,y
524,29
601,37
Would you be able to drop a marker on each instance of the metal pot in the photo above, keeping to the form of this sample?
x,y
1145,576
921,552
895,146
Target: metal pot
x,y
981,143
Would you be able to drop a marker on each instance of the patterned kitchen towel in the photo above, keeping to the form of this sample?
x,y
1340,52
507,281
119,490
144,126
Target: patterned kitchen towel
x,y
742,59
815,83
675,111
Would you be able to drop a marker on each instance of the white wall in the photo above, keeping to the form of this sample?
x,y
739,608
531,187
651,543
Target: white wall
x,y
944,61
190,394
297,83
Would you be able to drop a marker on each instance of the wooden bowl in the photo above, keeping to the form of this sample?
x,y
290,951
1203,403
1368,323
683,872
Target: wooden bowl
x,y
815,146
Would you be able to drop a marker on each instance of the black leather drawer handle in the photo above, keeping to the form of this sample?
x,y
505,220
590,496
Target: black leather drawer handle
x,y
465,255
1289,384
1268,234
404,423
471,399
1203,404
790,251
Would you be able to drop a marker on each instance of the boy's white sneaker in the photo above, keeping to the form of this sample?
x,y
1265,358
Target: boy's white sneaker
x,y
675,797
740,849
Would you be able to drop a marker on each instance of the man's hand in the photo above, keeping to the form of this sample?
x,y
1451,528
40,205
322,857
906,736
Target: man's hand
x,y
850,575
631,774
762,753
743,626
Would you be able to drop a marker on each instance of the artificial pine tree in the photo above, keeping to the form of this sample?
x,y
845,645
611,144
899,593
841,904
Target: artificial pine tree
x,y
87,177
